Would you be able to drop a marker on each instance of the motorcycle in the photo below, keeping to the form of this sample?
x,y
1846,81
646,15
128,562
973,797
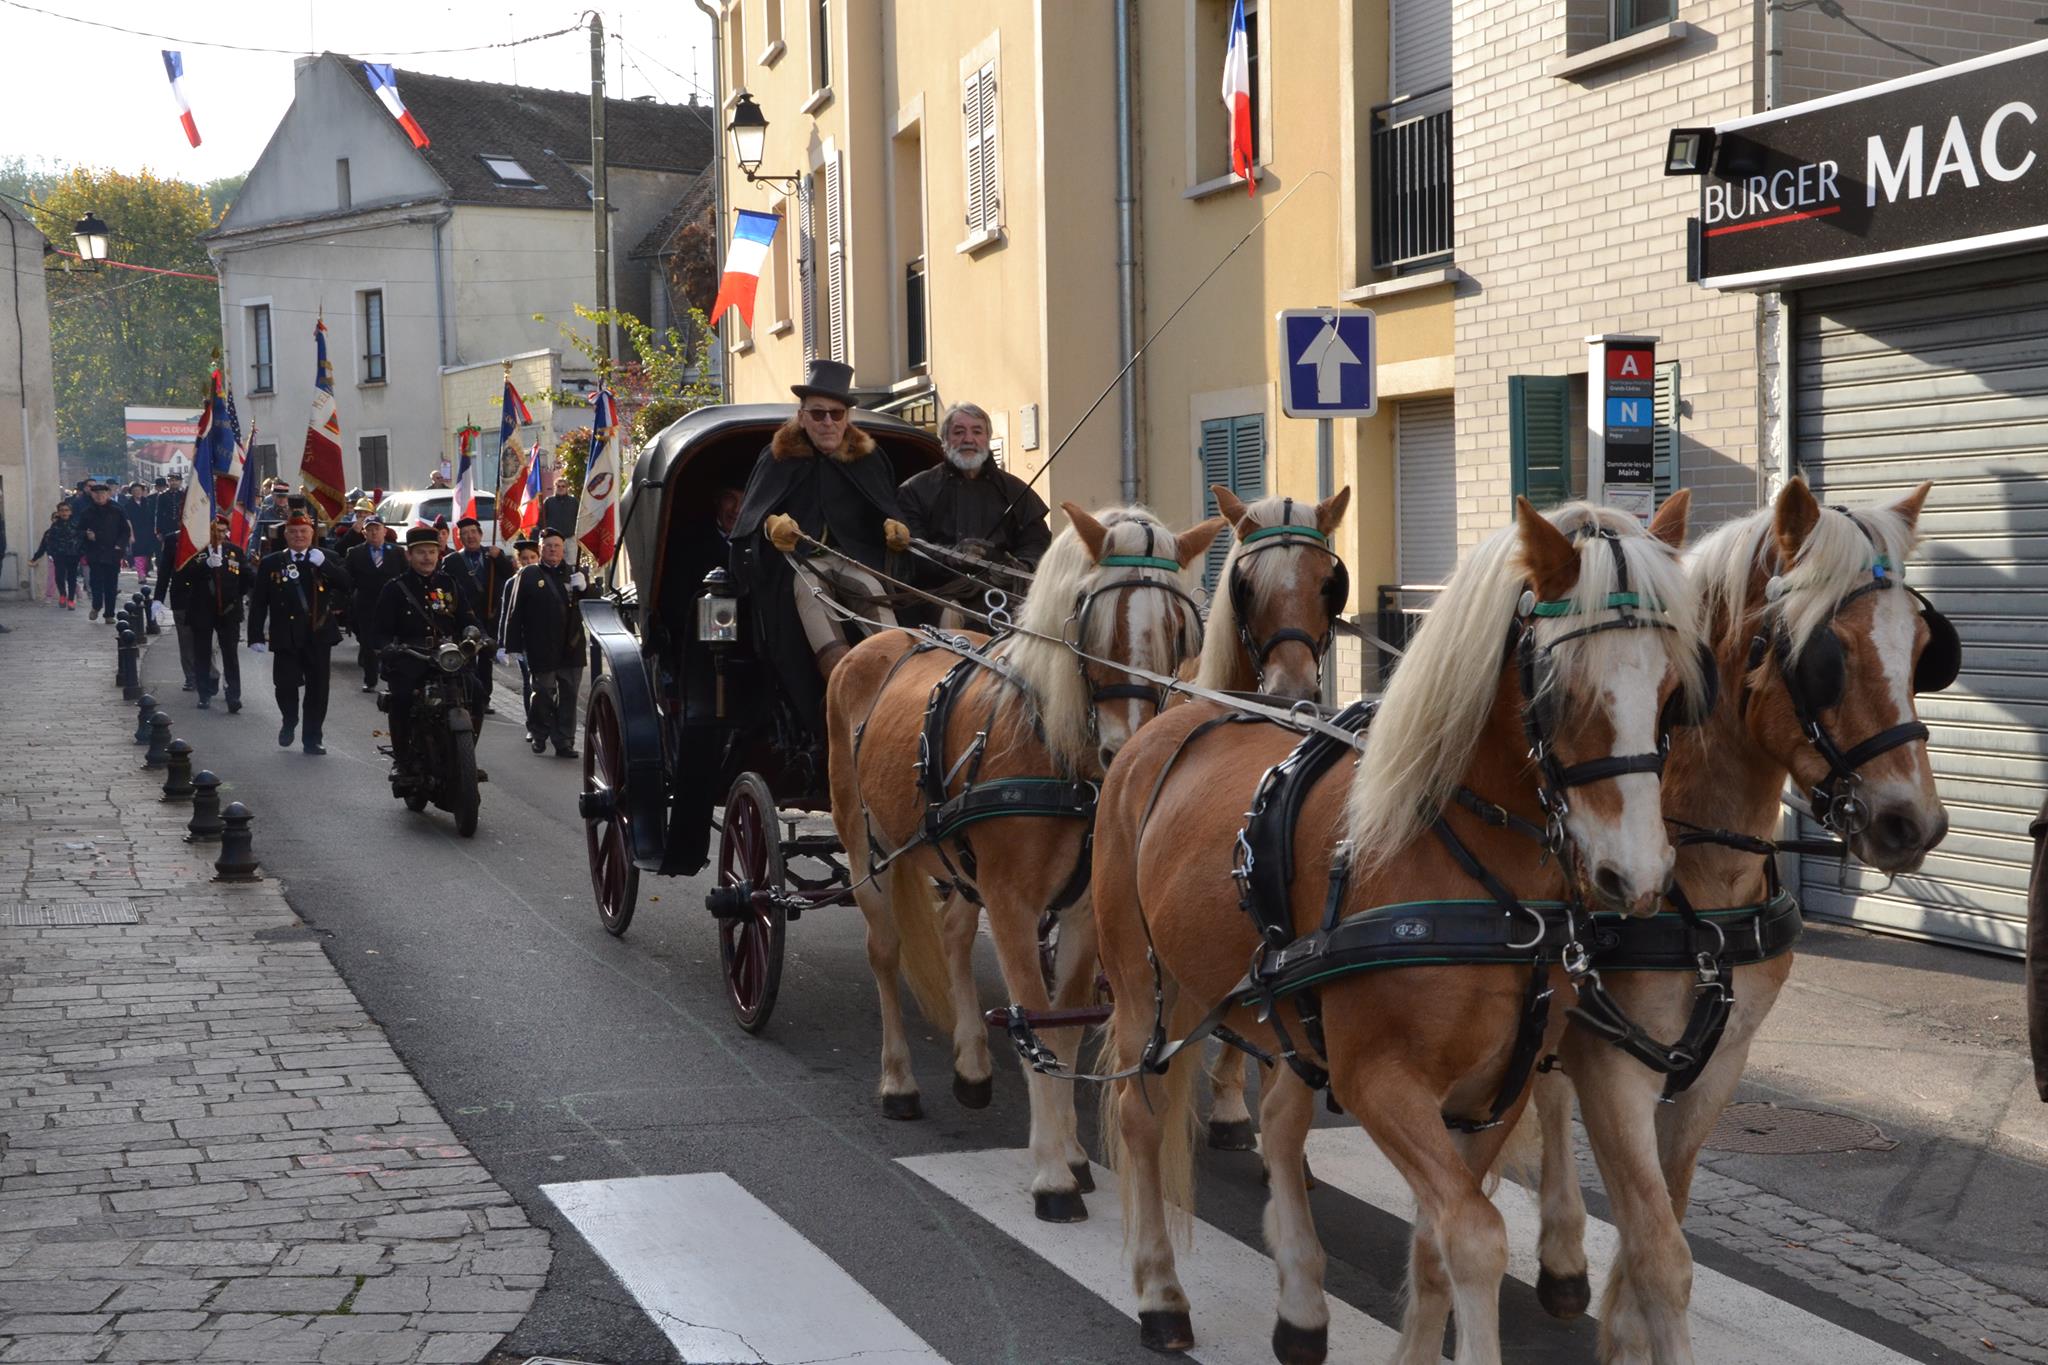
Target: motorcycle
x,y
439,762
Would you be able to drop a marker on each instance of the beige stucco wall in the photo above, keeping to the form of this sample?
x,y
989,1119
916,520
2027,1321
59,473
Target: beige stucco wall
x,y
28,411
1567,227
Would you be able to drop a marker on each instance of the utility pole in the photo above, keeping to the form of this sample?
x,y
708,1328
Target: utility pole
x,y
602,210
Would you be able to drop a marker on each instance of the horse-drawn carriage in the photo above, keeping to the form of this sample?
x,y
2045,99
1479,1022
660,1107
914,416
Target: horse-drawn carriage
x,y
689,729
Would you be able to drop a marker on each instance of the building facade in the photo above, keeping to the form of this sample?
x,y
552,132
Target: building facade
x,y
28,405
474,248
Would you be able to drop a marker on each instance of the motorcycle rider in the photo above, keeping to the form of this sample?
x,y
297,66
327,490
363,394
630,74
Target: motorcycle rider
x,y
421,609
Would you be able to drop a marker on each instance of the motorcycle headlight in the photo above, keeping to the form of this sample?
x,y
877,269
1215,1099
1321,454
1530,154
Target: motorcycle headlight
x,y
449,658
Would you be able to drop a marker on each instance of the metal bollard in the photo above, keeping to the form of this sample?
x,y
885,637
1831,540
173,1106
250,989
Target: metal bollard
x,y
131,615
145,708
205,825
237,860
127,673
178,772
159,742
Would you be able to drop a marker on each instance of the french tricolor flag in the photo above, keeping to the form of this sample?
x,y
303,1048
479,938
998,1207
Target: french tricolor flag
x,y
743,262
174,67
384,85
1237,97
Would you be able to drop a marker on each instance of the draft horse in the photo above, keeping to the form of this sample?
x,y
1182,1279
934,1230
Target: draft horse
x,y
1821,648
1409,909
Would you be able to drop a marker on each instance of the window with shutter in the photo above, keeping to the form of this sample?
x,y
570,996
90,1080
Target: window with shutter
x,y
1233,454
1540,438
978,111
806,261
835,259
1664,439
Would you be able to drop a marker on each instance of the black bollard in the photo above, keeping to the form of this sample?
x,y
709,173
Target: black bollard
x,y
145,708
159,742
205,825
237,860
131,616
178,772
126,671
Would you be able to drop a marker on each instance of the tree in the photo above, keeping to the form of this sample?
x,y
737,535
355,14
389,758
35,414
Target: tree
x,y
122,337
661,383
221,193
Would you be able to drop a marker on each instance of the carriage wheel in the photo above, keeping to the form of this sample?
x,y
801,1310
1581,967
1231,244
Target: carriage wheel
x,y
614,880
750,947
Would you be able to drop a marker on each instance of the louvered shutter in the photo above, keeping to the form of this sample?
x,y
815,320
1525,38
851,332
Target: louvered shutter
x,y
989,190
1664,437
835,257
970,126
1215,470
1540,441
807,262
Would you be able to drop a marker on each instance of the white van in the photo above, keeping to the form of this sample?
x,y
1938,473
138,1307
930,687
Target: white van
x,y
419,507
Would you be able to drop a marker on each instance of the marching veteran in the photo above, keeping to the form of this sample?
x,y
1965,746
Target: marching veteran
x,y
823,477
295,606
420,608
207,596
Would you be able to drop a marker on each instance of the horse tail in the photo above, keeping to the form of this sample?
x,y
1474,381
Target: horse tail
x,y
924,951
1171,1099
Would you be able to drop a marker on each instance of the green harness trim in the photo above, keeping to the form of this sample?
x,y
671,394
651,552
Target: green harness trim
x,y
1139,562
1268,532
1614,599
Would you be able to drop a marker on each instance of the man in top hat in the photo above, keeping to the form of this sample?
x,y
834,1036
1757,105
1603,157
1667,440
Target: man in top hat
x,y
295,607
421,608
544,629
106,531
372,563
485,571
207,596
823,477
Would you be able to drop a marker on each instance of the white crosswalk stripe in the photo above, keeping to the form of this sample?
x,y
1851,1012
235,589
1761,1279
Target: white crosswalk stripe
x,y
725,1278
1732,1323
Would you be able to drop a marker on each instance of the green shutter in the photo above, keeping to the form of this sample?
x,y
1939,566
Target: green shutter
x,y
1216,469
1664,441
1540,438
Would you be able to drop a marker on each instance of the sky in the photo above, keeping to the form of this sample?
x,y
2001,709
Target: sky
x,y
89,96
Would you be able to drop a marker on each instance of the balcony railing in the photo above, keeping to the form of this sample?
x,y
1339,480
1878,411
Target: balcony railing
x,y
916,355
1398,613
1411,183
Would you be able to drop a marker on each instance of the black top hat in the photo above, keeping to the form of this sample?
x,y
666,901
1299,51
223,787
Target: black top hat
x,y
827,379
421,535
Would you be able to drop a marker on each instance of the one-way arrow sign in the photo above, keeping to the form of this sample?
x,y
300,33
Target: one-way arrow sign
x,y
1327,362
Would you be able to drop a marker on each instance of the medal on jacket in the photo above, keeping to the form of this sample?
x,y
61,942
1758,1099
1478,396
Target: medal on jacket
x,y
291,571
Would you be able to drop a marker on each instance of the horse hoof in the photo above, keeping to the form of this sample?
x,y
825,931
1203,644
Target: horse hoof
x,y
1563,1296
1059,1206
1084,1176
974,1094
902,1106
1232,1135
1300,1345
1166,1330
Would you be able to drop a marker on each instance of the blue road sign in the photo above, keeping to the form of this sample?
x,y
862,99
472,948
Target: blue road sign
x,y
1328,362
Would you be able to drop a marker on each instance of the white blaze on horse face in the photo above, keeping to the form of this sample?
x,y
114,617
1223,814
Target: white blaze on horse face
x,y
1289,670
1632,856
1148,644
1894,626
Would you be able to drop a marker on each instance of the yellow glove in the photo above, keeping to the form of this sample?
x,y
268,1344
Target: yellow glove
x,y
896,536
782,531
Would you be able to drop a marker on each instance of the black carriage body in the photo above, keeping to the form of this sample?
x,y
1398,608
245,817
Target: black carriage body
x,y
681,753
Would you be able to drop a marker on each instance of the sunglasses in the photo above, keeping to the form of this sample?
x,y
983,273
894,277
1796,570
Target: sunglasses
x,y
826,414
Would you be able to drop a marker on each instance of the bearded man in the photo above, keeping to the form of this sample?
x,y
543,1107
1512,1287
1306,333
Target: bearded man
x,y
969,504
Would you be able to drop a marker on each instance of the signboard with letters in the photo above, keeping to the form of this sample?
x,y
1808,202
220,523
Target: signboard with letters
x,y
1621,423
1928,166
1328,360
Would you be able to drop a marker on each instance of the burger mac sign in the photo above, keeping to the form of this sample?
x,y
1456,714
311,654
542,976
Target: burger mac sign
x,y
1949,161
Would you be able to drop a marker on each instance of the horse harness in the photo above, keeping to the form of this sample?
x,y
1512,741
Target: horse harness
x,y
1336,588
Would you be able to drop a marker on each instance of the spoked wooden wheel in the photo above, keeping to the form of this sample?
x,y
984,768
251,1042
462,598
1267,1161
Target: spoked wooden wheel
x,y
614,880
750,944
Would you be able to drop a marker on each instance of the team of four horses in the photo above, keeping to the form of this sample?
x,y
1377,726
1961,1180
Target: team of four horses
x,y
1541,864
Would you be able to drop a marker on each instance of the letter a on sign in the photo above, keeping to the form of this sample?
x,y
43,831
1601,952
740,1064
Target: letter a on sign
x,y
1623,364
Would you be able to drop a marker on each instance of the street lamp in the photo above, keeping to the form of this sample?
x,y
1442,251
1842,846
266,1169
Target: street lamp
x,y
749,129
91,235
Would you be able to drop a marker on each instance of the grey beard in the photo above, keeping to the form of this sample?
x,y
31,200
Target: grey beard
x,y
966,461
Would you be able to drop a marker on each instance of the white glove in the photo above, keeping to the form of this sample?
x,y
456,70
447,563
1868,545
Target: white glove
x,y
258,647
578,581
504,659
156,612
316,558
213,559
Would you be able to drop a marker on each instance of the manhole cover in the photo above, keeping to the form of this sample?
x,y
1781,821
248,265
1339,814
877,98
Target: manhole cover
x,y
1767,1130
21,915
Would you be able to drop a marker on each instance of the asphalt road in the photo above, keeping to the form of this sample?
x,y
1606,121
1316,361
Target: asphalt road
x,y
562,1054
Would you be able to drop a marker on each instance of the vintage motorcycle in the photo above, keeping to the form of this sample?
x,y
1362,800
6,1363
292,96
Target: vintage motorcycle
x,y
438,764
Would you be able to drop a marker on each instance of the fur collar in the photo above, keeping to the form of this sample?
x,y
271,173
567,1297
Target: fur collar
x,y
791,443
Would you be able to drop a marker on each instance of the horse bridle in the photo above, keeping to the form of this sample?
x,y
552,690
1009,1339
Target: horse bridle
x,y
1084,604
1336,588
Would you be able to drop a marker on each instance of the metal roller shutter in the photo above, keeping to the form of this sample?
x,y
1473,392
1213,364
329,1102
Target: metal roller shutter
x,y
1943,375
1426,475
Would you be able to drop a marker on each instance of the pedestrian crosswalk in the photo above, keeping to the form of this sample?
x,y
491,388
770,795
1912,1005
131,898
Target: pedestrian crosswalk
x,y
727,1278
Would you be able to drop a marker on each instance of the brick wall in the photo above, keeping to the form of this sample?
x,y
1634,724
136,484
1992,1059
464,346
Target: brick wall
x,y
1825,55
1568,227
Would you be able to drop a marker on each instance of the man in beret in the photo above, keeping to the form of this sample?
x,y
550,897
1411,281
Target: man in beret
x,y
545,630
421,608
295,606
485,573
370,565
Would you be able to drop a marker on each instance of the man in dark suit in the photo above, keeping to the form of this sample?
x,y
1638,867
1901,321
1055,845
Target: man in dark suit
x,y
370,565
485,574
107,534
207,596
546,630
295,608
558,512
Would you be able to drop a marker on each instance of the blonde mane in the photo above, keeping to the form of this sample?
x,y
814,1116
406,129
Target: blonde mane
x,y
1436,706
1224,664
1835,560
1066,574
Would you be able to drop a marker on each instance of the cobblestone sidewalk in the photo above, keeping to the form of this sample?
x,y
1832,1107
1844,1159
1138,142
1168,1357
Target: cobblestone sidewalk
x,y
208,1150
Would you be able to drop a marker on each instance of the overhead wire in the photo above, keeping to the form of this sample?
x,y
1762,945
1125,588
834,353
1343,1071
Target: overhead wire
x,y
184,42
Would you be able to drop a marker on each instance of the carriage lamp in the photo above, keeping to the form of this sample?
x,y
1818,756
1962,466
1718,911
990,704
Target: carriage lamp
x,y
91,236
718,610
749,129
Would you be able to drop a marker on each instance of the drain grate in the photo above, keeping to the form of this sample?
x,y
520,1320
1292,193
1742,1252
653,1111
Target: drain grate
x,y
1767,1130
24,915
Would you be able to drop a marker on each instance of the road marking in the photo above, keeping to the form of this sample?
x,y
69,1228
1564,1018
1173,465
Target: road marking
x,y
725,1278
1230,1285
1732,1323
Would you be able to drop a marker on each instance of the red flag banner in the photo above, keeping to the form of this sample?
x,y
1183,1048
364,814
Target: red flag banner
x,y
320,468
